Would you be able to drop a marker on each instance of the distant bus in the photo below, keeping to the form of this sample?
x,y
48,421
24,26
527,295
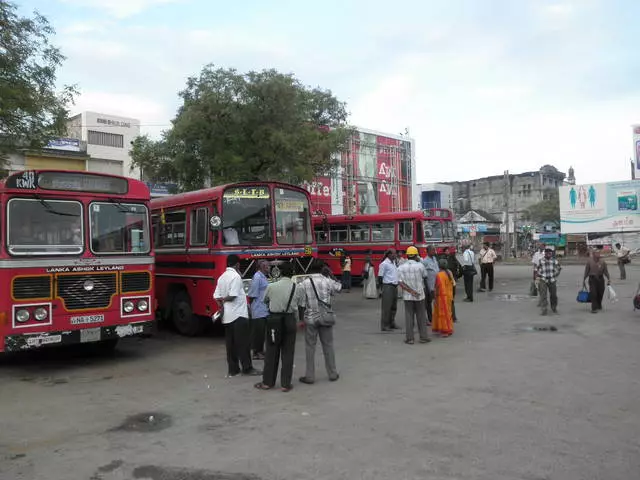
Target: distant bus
x,y
372,234
76,260
194,233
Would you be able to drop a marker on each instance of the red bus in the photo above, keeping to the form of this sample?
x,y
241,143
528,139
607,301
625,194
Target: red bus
x,y
76,259
194,232
372,234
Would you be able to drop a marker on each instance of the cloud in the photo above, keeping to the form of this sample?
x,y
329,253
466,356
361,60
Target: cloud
x,y
119,8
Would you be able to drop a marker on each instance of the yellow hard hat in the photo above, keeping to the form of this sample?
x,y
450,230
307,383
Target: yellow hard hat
x,y
412,251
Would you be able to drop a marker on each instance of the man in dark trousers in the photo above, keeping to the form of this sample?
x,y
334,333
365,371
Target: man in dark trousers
x,y
283,300
388,281
468,271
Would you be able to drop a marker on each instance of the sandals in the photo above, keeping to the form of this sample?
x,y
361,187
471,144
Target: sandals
x,y
286,389
409,342
262,386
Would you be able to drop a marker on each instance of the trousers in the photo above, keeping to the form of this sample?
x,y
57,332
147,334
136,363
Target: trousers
x,y
311,334
623,269
596,292
414,310
428,302
486,270
281,344
258,327
548,292
468,284
389,305
237,340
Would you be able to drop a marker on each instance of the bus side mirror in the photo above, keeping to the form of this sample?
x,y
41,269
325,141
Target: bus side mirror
x,y
215,222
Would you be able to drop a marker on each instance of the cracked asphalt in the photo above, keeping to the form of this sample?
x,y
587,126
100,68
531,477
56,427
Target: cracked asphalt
x,y
504,398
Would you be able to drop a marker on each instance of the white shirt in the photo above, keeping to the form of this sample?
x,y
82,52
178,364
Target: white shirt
x,y
230,285
468,257
487,256
388,271
413,275
622,252
537,257
231,236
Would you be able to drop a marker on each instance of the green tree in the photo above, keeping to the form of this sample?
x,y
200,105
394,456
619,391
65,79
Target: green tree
x,y
153,159
545,211
255,126
31,109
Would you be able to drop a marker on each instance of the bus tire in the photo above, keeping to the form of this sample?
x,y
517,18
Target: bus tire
x,y
184,320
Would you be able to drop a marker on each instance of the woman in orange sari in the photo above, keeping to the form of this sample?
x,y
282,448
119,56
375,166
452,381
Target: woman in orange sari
x,y
442,316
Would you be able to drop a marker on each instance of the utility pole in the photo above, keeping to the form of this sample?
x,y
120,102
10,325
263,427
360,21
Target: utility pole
x,y
507,243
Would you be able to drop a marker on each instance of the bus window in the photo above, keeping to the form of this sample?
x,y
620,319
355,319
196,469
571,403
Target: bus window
x,y
293,220
119,228
433,231
246,216
359,233
39,227
419,232
199,226
172,233
405,231
382,232
338,234
321,234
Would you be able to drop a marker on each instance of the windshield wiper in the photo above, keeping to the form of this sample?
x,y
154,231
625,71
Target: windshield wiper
x,y
47,206
121,207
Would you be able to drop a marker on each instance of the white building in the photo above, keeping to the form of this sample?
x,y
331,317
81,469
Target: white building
x,y
433,195
108,139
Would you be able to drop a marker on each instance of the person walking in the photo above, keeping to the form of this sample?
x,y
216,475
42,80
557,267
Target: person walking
x,y
346,273
487,258
230,296
388,281
595,272
468,271
412,275
442,314
622,255
259,311
317,291
283,299
430,263
369,287
547,273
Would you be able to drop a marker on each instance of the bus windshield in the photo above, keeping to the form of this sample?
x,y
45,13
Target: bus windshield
x,y
246,216
433,231
119,228
293,221
44,227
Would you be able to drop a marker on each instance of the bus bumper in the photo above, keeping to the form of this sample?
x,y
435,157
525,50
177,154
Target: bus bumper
x,y
20,343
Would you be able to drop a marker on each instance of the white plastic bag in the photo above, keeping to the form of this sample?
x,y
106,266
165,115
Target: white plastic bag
x,y
613,297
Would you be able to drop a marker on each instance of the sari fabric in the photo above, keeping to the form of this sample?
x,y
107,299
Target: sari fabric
x,y
442,315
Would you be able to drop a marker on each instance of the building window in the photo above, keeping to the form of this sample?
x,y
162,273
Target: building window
x,y
106,139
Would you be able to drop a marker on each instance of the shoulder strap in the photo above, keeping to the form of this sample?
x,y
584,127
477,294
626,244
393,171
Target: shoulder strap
x,y
293,290
313,285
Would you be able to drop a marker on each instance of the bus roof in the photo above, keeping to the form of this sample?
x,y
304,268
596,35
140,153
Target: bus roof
x,y
199,196
381,217
34,180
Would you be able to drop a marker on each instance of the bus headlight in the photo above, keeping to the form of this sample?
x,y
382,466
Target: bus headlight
x,y
143,305
22,316
128,306
41,314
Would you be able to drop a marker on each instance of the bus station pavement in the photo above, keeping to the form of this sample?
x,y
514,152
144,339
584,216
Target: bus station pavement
x,y
505,398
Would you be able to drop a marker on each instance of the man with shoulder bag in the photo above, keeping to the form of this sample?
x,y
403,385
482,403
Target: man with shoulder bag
x,y
319,319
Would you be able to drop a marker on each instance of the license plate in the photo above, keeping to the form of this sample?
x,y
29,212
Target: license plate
x,y
84,319
90,335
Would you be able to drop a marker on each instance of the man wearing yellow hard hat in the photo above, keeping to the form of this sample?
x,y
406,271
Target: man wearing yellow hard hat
x,y
411,278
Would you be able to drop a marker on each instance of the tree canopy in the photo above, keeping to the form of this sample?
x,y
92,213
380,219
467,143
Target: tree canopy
x,y
546,210
256,126
31,109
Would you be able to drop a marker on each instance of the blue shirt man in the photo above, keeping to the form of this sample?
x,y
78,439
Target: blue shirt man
x,y
430,262
259,310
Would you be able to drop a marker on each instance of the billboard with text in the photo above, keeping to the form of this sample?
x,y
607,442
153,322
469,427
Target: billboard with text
x,y
600,207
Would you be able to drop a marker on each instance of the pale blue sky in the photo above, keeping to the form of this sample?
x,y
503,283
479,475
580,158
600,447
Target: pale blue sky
x,y
482,85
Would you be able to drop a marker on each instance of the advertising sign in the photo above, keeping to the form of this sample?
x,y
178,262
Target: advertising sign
x,y
66,144
636,149
600,207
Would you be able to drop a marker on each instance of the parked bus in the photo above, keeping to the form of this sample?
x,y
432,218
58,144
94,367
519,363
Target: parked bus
x,y
371,235
76,261
194,233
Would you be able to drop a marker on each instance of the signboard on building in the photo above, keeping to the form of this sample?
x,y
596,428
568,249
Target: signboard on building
x,y
600,207
161,189
66,144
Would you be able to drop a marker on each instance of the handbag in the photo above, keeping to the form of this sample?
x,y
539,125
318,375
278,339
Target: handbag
x,y
583,296
327,316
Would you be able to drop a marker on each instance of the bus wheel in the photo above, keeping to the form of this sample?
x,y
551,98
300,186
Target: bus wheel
x,y
183,318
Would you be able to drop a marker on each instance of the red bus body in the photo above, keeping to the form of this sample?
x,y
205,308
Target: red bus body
x,y
371,235
256,220
76,260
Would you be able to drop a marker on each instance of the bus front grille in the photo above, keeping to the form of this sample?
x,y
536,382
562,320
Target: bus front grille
x,y
81,292
135,282
31,288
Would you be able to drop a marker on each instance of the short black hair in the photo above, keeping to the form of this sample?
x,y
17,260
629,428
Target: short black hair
x,y
233,260
286,269
316,266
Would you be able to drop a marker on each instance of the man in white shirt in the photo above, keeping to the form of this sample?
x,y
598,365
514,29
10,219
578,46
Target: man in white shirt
x,y
388,280
468,271
231,298
487,258
622,253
